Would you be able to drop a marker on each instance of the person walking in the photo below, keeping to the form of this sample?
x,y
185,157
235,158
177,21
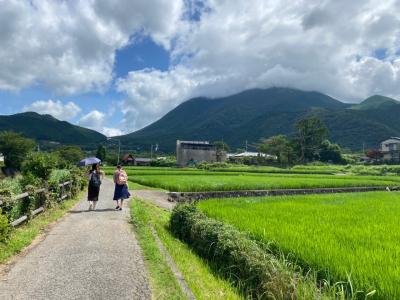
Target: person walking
x,y
95,176
121,191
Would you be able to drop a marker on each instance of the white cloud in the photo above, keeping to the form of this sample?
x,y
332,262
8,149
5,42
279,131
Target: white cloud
x,y
325,45
97,120
69,46
230,45
55,108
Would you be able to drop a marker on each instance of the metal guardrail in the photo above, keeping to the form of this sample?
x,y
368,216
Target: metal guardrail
x,y
64,194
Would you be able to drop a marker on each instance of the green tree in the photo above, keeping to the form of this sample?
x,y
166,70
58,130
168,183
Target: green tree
x,y
71,154
311,132
101,153
278,145
40,164
15,147
222,146
330,152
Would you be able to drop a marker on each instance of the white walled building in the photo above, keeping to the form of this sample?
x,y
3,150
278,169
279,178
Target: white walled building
x,y
390,149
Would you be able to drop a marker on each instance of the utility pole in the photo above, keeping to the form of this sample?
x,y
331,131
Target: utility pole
x,y
119,147
246,145
119,150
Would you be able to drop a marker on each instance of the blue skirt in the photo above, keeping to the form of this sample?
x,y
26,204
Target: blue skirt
x,y
121,192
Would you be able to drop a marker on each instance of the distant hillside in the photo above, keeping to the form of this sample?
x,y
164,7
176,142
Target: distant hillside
x,y
258,113
375,102
47,128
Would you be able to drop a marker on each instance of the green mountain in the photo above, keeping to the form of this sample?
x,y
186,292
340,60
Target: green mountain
x,y
254,114
375,102
46,128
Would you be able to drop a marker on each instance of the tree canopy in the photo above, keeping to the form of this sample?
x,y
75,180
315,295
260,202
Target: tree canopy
x,y
15,147
311,132
71,154
278,145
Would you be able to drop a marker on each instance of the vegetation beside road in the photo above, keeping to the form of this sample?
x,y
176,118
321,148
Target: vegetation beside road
x,y
23,236
197,273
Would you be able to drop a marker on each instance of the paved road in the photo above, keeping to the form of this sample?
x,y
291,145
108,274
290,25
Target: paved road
x,y
88,255
158,198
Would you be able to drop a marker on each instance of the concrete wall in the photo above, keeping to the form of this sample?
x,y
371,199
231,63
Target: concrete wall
x,y
186,153
183,156
197,196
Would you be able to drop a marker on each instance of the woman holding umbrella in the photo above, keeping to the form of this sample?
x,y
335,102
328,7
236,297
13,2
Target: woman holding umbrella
x,y
95,176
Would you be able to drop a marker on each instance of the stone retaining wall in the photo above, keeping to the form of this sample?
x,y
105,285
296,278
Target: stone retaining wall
x,y
197,196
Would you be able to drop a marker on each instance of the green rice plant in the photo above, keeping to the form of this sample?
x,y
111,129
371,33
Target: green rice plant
x,y
240,259
196,183
340,235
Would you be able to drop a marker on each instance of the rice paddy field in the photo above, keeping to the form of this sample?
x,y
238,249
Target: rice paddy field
x,y
197,183
352,235
194,180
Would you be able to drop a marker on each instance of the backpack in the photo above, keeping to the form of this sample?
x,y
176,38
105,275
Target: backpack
x,y
95,180
122,178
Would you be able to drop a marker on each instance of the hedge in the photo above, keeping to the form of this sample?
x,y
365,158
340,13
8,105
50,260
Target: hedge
x,y
257,272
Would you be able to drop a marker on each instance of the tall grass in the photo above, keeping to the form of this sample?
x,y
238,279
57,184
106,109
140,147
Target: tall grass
x,y
341,235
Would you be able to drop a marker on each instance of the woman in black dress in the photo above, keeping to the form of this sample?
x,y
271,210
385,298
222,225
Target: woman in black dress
x,y
94,186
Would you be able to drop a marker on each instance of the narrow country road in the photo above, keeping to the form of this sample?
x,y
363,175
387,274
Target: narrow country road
x,y
88,255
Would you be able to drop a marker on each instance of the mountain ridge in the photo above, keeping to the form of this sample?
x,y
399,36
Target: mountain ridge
x,y
253,114
46,128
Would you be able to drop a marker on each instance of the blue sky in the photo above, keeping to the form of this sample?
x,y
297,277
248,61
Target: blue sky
x,y
143,54
116,69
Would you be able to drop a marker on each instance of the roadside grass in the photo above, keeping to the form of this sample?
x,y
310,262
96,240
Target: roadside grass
x,y
340,235
197,273
197,183
24,235
163,282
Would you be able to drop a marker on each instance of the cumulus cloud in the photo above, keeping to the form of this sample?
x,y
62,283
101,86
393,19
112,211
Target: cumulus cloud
x,y
217,47
97,120
55,108
69,46
233,45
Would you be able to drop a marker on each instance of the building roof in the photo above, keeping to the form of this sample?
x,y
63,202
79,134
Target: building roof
x,y
249,154
143,159
193,142
397,139
128,157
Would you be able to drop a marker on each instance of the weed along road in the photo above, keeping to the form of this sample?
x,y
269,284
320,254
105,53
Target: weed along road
x,y
87,255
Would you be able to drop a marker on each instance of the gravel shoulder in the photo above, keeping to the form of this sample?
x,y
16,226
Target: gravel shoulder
x,y
87,255
158,198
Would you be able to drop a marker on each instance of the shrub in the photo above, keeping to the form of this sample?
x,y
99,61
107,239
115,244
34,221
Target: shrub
x,y
240,258
167,162
40,164
211,166
4,228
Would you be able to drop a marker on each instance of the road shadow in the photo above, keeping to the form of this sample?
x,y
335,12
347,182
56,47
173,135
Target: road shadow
x,y
87,211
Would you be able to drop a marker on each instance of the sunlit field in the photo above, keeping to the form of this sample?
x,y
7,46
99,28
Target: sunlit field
x,y
341,235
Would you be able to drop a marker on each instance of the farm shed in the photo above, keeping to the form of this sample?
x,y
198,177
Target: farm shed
x,y
130,160
193,152
390,149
